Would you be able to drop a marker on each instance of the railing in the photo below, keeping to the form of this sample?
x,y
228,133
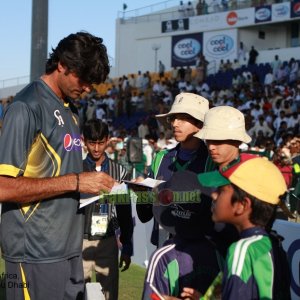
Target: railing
x,y
150,9
14,81
169,9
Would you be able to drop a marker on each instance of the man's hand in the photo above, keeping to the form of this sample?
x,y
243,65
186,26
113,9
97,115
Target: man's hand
x,y
95,183
124,259
137,188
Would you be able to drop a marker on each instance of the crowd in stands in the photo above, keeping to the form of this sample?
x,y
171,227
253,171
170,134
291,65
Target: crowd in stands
x,y
270,102
203,7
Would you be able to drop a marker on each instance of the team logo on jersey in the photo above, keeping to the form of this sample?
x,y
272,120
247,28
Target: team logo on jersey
x,y
71,143
180,212
59,118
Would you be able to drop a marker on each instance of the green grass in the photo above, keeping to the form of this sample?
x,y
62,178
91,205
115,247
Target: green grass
x,y
130,285
2,289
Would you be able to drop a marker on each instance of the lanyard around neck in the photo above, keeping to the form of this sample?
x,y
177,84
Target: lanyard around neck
x,y
183,167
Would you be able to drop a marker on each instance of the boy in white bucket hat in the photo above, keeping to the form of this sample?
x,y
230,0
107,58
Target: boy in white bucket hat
x,y
224,131
186,119
188,103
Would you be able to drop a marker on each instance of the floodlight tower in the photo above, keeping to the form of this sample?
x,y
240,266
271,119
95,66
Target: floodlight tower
x,y
155,47
39,38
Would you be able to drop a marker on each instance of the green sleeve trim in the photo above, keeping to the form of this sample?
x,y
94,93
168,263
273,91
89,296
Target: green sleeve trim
x,y
157,161
252,257
172,275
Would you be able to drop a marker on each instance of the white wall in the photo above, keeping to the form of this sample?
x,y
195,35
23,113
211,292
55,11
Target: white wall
x,y
134,40
284,54
275,37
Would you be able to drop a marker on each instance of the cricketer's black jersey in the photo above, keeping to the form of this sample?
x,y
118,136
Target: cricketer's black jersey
x,y
40,138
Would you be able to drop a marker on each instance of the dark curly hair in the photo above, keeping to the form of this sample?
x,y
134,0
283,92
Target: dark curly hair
x,y
83,54
95,130
263,214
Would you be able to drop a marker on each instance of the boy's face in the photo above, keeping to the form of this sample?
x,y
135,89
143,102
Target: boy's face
x,y
96,148
222,208
184,126
224,151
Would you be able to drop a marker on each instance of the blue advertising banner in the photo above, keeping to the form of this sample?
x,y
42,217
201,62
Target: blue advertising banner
x,y
263,14
295,9
186,48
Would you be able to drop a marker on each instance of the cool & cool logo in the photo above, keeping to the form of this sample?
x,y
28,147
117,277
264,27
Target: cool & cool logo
x,y
219,44
187,48
263,14
281,11
71,142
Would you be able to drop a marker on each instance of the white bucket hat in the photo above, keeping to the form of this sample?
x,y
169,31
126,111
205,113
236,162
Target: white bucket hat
x,y
188,103
224,123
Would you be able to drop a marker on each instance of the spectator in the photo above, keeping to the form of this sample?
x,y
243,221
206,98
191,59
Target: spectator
x,y
269,79
252,56
185,117
148,150
222,66
262,126
200,7
244,189
110,107
241,54
161,69
132,81
235,65
181,9
284,163
143,129
279,119
100,113
294,120
188,74
189,9
256,112
174,74
224,4
294,68
161,142
139,81
181,73
228,65
157,88
100,249
275,65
